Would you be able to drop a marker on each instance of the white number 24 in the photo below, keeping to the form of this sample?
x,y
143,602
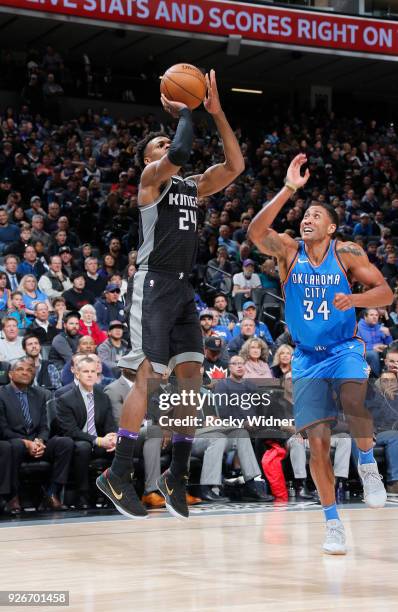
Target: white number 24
x,y
323,310
187,216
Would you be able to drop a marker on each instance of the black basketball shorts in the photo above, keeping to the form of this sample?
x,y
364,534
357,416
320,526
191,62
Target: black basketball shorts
x,y
164,324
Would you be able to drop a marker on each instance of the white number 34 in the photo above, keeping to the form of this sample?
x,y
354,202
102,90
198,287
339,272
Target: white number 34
x,y
322,310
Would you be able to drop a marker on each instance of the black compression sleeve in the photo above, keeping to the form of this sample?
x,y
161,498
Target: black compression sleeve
x,y
180,149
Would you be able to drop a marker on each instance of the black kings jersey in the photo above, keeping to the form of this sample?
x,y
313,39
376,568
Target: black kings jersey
x,y
168,229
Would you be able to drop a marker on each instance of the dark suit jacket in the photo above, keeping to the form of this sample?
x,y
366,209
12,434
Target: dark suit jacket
x,y
72,414
12,421
44,337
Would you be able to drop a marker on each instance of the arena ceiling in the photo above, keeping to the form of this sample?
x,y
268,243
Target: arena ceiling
x,y
254,67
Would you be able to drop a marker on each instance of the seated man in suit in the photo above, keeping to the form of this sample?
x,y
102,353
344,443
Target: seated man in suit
x,y
149,442
23,421
5,473
85,414
87,346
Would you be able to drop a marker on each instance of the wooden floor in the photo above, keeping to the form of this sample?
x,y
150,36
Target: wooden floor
x,y
245,562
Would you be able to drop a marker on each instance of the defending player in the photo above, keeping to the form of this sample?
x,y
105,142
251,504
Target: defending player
x,y
320,313
164,325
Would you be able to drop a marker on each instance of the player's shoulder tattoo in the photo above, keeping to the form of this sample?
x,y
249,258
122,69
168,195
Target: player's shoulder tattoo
x,y
351,248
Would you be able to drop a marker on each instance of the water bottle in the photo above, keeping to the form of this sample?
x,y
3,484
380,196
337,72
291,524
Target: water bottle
x,y
340,493
291,490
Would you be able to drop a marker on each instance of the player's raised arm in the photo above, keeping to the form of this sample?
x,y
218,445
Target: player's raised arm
x,y
219,176
160,166
378,292
260,232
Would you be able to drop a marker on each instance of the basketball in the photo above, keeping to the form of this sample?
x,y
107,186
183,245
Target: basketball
x,y
184,83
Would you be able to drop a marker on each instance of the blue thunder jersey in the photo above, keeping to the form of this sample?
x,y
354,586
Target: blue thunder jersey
x,y
314,323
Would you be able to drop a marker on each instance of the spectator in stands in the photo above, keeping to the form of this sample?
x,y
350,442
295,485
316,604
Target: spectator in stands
x,y
365,227
206,323
221,330
68,265
85,415
17,309
149,442
247,330
86,346
108,266
31,264
78,296
38,232
10,344
115,249
226,318
65,343
245,281
46,374
18,248
88,324
109,307
255,353
31,295
23,421
112,349
8,233
54,282
269,276
5,294
10,268
214,365
226,241
375,336
390,269
57,315
282,362
41,325
249,311
94,281
240,234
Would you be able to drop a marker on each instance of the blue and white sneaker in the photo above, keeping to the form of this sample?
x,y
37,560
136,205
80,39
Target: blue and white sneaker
x,y
334,543
374,493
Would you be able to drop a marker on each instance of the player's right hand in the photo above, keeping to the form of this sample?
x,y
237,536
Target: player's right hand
x,y
172,107
293,172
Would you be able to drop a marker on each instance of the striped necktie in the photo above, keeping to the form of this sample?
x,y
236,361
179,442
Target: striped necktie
x,y
23,399
13,282
90,415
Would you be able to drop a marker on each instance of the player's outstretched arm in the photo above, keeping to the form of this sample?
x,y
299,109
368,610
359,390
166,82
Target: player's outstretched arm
x,y
378,292
178,153
219,176
260,231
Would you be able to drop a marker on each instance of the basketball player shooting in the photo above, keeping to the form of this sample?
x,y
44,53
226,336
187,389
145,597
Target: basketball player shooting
x,y
164,325
320,313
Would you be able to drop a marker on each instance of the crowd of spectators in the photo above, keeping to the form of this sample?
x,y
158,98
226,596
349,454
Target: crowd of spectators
x,y
68,246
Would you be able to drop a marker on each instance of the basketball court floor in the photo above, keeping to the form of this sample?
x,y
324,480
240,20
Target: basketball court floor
x,y
239,557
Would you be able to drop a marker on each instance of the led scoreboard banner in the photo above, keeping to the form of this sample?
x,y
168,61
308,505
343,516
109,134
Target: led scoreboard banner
x,y
256,23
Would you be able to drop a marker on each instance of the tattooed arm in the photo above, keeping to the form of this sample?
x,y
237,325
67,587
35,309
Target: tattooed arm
x,y
355,261
267,240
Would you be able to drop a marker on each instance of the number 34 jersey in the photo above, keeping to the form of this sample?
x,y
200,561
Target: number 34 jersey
x,y
314,323
168,229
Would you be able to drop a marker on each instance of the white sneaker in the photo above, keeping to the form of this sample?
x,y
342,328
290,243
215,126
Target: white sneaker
x,y
374,493
334,543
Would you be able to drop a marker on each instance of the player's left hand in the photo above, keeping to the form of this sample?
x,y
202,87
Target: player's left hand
x,y
343,301
212,100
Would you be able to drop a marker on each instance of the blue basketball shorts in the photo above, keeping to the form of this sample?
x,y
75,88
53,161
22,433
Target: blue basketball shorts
x,y
317,377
